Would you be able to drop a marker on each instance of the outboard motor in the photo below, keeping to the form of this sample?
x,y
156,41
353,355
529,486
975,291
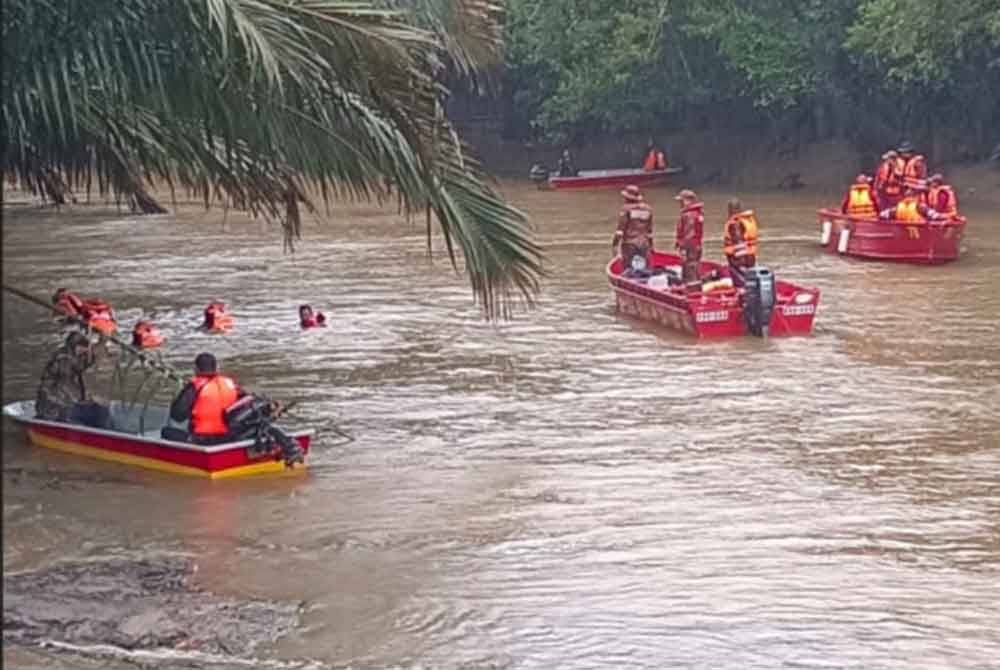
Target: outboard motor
x,y
539,175
250,417
759,299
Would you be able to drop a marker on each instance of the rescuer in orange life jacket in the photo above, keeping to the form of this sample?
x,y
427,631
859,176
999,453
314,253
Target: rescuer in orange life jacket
x,y
889,179
941,197
740,241
911,210
861,201
634,236
914,166
202,403
655,158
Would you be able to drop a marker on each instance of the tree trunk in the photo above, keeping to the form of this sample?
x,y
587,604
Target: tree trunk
x,y
53,186
145,202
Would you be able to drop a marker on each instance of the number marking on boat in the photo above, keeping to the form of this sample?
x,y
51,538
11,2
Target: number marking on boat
x,y
708,317
798,310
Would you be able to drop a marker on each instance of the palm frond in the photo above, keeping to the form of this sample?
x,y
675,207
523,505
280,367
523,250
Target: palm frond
x,y
264,104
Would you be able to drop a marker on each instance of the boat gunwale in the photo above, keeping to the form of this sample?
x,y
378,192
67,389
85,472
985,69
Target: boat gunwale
x,y
136,437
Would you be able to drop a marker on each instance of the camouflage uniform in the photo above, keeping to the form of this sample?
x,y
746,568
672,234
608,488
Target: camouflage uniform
x,y
61,386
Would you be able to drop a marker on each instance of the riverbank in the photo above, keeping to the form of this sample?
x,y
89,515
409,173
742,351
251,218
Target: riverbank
x,y
729,160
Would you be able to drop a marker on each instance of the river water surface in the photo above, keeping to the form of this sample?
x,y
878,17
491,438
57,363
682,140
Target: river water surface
x,y
571,489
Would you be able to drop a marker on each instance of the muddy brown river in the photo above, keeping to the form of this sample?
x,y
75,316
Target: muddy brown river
x,y
571,489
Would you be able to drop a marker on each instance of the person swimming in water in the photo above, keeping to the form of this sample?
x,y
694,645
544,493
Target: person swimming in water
x,y
310,319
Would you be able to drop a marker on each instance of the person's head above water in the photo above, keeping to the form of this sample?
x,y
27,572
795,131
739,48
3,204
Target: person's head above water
x,y
305,311
205,364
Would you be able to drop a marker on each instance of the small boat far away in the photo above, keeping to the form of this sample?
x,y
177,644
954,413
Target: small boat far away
x,y
772,307
608,178
928,243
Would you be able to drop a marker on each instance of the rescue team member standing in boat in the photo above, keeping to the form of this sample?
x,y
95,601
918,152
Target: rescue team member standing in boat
x,y
740,241
690,232
566,168
861,201
911,210
914,166
634,236
889,178
941,197
62,394
202,403
655,158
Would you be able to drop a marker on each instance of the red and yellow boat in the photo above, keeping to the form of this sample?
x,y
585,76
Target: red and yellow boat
x,y
608,178
711,313
135,440
929,243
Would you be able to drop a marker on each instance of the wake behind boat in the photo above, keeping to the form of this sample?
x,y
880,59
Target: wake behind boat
x,y
134,439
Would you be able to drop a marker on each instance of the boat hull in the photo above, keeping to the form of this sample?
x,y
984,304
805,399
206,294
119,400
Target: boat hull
x,y
587,179
147,450
929,243
715,314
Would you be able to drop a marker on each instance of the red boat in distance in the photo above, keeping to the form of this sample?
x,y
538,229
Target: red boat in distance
x,y
585,179
712,313
927,243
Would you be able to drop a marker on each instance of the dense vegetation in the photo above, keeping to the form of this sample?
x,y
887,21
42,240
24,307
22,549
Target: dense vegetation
x,y
264,105
868,70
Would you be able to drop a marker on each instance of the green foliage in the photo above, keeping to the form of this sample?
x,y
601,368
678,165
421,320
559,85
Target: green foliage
x,y
928,42
582,66
263,103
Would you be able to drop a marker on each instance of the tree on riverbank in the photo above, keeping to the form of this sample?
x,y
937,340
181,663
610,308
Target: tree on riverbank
x,y
266,104
865,70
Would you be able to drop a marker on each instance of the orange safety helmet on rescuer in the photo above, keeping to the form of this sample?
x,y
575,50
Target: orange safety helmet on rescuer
x,y
908,210
215,394
860,202
748,247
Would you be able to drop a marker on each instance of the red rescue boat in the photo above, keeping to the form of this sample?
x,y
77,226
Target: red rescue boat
x,y
711,313
135,440
607,178
930,243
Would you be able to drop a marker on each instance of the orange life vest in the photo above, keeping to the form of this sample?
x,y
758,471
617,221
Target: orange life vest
x,y
215,394
860,202
216,315
915,171
894,184
100,317
146,336
884,175
908,211
750,233
650,164
933,197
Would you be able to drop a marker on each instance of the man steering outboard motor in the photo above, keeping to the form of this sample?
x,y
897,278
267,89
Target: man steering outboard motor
x,y
759,299
252,416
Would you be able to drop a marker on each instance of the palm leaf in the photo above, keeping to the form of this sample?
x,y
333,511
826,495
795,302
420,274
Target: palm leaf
x,y
264,104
